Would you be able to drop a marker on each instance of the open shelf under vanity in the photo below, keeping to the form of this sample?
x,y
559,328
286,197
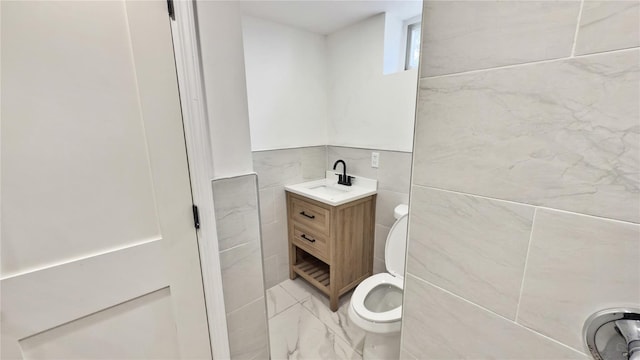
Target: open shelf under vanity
x,y
313,270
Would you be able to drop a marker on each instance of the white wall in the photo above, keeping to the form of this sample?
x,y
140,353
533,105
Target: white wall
x,y
286,85
368,109
220,32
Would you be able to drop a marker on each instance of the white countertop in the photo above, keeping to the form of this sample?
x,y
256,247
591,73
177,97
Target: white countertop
x,y
329,192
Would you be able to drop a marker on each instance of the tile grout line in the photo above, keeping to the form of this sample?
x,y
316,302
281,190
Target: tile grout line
x,y
575,36
621,222
529,63
295,302
459,297
495,314
471,194
285,290
328,328
335,334
300,302
527,204
526,263
290,294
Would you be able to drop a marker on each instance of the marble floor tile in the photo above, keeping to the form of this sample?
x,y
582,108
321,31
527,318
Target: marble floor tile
x,y
296,299
299,289
338,321
297,334
278,300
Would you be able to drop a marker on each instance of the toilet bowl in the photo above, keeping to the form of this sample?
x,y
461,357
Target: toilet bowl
x,y
376,303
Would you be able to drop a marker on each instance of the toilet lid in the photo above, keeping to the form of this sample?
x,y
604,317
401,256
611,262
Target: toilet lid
x,y
396,246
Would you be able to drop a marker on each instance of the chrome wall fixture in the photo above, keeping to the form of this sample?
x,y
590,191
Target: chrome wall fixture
x,y
613,334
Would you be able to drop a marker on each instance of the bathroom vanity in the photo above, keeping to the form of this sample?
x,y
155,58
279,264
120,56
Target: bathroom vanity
x,y
331,234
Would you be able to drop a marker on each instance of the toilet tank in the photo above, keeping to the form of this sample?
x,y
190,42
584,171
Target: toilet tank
x,y
400,211
396,245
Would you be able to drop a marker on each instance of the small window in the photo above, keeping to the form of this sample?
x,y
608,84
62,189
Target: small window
x,y
413,46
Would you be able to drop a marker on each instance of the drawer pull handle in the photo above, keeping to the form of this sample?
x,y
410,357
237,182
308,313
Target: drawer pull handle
x,y
307,215
308,239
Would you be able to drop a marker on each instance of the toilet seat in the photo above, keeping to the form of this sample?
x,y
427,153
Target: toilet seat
x,y
386,323
363,289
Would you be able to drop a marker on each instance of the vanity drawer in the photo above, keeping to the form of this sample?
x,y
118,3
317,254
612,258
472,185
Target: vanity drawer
x,y
310,215
314,243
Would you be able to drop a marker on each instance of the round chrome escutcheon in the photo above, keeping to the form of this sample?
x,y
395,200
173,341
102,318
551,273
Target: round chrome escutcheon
x,y
613,334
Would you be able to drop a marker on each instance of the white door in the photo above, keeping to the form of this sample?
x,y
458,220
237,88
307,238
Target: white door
x,y
99,252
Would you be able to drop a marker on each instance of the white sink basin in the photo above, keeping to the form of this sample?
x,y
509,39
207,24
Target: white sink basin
x,y
329,192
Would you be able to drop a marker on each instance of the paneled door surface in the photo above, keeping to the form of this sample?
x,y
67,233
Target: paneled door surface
x,y
99,252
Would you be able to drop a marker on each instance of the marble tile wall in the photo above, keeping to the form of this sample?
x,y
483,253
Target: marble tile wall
x,y
277,168
237,220
561,134
601,18
393,175
525,197
461,36
489,244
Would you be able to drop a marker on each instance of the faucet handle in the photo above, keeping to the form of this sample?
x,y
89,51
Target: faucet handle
x,y
347,181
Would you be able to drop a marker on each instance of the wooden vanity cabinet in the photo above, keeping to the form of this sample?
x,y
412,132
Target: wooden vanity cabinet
x,y
331,246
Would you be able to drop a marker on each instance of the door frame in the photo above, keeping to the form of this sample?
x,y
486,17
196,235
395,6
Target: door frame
x,y
200,159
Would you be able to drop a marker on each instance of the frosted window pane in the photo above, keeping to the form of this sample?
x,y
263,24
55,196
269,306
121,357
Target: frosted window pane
x,y
413,46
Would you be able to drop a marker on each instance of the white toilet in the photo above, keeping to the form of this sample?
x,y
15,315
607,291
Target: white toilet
x,y
376,304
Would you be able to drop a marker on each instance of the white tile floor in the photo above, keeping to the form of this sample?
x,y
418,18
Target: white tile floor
x,y
301,326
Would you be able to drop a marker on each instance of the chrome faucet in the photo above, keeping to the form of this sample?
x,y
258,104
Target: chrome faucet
x,y
343,179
